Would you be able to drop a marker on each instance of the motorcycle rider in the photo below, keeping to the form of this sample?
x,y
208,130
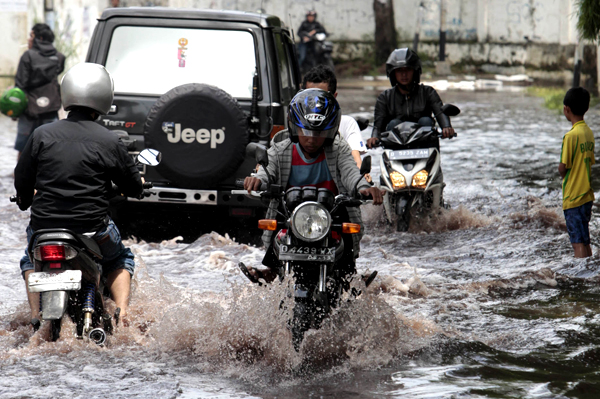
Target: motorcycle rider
x,y
313,155
308,29
408,99
65,174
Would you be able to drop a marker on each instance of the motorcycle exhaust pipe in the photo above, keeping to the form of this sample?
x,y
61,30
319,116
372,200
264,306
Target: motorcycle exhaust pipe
x,y
98,336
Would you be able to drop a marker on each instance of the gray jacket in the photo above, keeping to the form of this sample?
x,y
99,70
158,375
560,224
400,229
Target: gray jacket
x,y
341,165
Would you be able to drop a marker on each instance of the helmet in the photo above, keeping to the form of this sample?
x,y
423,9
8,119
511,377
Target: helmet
x,y
311,12
87,85
403,58
315,113
13,102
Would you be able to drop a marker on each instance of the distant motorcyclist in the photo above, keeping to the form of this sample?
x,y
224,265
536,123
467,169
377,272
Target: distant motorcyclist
x,y
408,100
313,155
308,29
65,174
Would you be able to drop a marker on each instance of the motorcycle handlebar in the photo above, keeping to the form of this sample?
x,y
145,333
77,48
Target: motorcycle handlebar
x,y
13,198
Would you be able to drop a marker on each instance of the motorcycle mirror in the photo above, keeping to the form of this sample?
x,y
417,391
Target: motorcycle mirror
x,y
362,122
450,109
385,134
365,167
150,157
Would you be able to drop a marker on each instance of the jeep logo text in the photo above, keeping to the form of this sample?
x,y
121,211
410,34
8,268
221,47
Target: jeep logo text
x,y
187,135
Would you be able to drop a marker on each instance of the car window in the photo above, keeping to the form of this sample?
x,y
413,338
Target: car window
x,y
283,66
153,60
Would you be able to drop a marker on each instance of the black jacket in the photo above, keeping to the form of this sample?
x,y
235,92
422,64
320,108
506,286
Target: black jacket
x,y
39,65
71,164
307,27
422,101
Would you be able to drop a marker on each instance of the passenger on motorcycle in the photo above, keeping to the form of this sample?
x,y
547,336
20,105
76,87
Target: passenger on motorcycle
x,y
308,29
408,100
65,174
313,155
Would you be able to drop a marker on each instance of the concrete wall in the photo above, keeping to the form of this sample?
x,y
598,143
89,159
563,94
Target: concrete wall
x,y
508,31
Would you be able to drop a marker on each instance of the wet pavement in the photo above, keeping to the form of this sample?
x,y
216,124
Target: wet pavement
x,y
482,300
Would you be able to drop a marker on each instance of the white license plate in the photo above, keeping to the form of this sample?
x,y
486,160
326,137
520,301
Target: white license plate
x,y
287,252
398,155
62,281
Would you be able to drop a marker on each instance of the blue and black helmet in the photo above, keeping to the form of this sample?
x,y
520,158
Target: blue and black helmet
x,y
314,113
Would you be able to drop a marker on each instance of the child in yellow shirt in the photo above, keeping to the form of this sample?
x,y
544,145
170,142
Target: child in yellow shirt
x,y
575,168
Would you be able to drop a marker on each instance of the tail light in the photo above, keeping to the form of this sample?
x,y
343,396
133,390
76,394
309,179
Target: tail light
x,y
54,252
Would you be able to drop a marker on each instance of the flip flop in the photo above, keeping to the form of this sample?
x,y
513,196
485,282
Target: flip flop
x,y
250,277
370,279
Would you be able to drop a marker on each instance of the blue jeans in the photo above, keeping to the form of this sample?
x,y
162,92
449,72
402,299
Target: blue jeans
x,y
115,255
26,126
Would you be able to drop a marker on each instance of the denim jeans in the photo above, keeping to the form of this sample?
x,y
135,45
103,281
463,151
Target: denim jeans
x,y
26,126
114,254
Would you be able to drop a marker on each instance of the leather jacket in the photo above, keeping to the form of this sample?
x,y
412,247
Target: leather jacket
x,y
422,101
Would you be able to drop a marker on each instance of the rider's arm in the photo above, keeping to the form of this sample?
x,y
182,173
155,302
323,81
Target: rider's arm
x,y
23,72
435,102
25,174
125,174
272,167
382,116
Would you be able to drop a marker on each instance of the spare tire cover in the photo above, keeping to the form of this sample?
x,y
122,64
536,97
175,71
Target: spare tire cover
x,y
202,134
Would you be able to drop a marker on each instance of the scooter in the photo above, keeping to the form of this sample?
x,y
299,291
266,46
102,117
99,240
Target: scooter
x,y
68,277
313,243
410,170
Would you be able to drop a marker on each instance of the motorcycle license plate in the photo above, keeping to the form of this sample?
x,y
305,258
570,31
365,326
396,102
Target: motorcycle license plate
x,y
398,155
287,252
63,281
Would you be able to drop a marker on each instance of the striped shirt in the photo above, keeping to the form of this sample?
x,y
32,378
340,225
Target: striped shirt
x,y
310,172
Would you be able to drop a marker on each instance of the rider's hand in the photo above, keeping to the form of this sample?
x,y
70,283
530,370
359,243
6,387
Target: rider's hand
x,y
312,32
448,132
252,183
372,142
375,193
305,39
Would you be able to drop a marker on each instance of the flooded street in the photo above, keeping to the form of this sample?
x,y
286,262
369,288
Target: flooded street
x,y
483,300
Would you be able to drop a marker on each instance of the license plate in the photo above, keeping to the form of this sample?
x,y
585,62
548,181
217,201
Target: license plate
x,y
287,252
398,155
62,281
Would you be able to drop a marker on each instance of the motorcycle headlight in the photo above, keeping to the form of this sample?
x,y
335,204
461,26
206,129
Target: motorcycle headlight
x,y
398,180
420,179
310,221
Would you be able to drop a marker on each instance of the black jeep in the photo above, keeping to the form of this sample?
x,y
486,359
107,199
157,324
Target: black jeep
x,y
199,86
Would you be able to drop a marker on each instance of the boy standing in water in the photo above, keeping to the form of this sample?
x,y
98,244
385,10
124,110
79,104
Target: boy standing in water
x,y
575,168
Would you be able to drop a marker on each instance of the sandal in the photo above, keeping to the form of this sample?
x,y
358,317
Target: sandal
x,y
252,278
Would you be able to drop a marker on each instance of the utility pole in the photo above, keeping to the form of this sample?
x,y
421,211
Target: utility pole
x,y
442,67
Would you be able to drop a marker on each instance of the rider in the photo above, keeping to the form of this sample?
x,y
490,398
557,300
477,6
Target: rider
x,y
65,172
308,29
313,155
408,99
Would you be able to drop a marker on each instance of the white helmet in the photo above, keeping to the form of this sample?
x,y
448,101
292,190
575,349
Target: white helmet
x,y
87,85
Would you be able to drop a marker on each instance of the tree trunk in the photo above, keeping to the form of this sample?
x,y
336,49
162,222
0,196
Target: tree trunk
x,y
385,29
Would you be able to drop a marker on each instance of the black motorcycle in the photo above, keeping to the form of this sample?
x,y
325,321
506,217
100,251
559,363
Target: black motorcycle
x,y
313,243
318,52
68,277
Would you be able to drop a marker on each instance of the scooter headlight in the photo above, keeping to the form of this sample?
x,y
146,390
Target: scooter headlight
x,y
420,179
398,180
310,221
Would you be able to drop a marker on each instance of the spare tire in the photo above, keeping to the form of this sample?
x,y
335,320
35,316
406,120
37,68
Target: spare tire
x,y
202,134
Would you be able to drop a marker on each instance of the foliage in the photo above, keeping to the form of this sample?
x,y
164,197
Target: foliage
x,y
553,97
589,19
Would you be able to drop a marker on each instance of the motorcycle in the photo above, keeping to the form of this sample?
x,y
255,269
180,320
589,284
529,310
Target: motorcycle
x,y
318,52
68,277
410,170
312,243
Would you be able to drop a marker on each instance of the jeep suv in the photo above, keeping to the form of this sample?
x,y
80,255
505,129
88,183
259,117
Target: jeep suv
x,y
199,86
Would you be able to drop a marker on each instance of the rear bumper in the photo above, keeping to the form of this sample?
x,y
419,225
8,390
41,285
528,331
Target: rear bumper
x,y
168,195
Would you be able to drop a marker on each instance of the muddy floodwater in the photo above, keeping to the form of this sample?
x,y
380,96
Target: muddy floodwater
x,y
481,300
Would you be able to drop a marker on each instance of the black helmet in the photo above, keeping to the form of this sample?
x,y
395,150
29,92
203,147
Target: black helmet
x,y
311,12
314,112
403,58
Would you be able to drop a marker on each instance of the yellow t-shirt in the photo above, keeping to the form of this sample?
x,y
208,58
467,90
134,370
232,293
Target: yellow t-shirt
x,y
577,154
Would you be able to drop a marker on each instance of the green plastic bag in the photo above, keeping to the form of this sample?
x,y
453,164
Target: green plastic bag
x,y
13,102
